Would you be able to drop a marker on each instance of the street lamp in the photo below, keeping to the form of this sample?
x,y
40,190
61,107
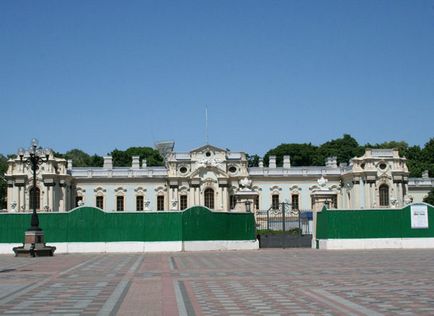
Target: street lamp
x,y
34,157
34,244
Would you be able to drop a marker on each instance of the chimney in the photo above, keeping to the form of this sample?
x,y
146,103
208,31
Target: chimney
x,y
331,162
261,163
286,162
425,174
136,162
272,163
108,163
144,163
69,164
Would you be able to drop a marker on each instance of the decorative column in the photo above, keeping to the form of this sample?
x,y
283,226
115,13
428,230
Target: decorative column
x,y
175,198
225,198
48,195
63,189
198,196
22,199
195,187
362,193
191,201
223,183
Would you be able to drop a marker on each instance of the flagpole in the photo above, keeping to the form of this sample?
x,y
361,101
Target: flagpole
x,y
206,123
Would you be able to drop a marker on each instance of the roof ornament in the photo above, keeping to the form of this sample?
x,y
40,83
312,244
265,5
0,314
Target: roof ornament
x,y
245,184
322,181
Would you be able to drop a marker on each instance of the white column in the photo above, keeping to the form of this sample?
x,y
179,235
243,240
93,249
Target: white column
x,y
191,197
22,199
47,198
63,208
198,196
175,197
362,193
50,199
220,197
225,199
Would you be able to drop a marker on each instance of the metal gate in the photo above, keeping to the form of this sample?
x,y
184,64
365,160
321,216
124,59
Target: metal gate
x,y
284,227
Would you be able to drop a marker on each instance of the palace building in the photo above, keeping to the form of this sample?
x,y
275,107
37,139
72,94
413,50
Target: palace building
x,y
218,179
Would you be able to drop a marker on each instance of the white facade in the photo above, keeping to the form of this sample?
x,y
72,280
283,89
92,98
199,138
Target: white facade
x,y
221,180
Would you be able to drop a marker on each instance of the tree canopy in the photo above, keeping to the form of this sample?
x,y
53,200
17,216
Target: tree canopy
x,y
343,148
430,198
81,159
123,158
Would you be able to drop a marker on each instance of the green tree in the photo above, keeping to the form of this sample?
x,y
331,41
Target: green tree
x,y
81,159
96,161
343,149
252,160
430,198
123,158
3,184
301,154
427,156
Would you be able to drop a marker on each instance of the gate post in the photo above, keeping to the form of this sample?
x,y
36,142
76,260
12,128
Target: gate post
x,y
268,219
283,216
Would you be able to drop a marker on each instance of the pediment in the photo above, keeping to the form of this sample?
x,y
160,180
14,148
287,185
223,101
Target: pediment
x,y
217,171
205,148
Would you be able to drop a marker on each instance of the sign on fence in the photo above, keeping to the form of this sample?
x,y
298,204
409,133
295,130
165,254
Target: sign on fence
x,y
419,216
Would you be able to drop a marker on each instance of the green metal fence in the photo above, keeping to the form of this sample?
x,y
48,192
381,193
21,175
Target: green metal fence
x,y
88,224
378,223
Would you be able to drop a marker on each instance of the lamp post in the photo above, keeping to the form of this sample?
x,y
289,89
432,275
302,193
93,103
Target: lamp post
x,y
34,157
34,244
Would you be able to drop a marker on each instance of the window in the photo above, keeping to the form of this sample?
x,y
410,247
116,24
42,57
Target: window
x,y
78,199
35,198
256,201
232,169
139,202
384,195
209,198
119,203
232,202
275,201
160,203
100,201
183,202
294,202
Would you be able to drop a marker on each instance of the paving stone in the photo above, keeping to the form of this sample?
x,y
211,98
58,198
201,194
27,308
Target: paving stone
x,y
264,282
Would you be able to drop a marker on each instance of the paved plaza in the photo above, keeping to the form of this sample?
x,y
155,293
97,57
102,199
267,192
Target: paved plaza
x,y
262,282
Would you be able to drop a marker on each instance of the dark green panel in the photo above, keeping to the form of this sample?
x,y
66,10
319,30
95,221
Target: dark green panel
x,y
124,227
163,226
419,232
86,224
12,227
201,224
380,223
55,226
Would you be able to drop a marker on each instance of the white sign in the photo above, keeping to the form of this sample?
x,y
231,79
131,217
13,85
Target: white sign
x,y
419,216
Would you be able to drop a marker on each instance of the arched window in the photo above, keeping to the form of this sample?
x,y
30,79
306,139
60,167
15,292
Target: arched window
x,y
35,197
209,198
100,201
384,195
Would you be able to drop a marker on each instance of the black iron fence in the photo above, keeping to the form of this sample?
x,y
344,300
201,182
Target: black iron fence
x,y
284,219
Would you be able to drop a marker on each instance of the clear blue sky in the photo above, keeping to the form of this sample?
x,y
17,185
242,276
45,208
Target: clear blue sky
x,y
99,75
